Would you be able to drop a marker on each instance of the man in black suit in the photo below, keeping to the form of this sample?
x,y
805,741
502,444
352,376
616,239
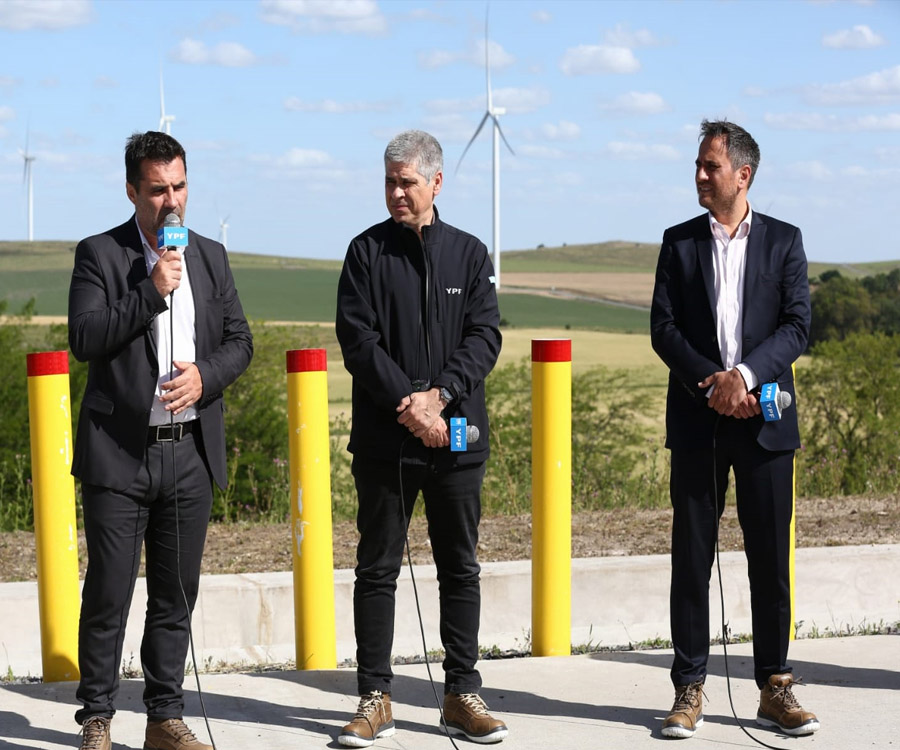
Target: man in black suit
x,y
164,334
730,311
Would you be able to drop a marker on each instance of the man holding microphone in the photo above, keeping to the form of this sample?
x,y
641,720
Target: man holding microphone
x,y
164,334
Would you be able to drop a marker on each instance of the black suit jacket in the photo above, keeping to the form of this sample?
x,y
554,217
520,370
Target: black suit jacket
x,y
776,315
112,303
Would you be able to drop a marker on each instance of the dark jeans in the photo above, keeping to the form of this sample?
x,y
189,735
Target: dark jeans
x,y
116,525
453,509
764,492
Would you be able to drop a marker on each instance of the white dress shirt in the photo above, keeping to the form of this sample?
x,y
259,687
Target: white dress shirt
x,y
729,262
184,349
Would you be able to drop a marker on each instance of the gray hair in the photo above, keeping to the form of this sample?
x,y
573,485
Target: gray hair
x,y
739,144
418,149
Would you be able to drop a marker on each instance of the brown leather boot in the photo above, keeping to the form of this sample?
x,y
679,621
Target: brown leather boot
x,y
686,715
779,708
467,714
95,734
171,734
373,719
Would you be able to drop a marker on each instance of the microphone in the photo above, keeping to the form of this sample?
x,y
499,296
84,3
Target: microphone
x,y
773,401
461,434
171,235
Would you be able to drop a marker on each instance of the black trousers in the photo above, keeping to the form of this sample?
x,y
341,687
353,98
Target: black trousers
x,y
116,525
764,493
453,509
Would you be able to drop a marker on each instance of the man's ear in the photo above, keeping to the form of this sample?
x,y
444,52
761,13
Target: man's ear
x,y
438,183
131,192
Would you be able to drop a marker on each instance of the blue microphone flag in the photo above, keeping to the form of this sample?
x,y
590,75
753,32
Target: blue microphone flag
x,y
459,441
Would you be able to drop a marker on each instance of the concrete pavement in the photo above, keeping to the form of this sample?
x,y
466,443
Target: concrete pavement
x,y
609,700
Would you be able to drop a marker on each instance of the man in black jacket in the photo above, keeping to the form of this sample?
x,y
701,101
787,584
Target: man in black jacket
x,y
417,320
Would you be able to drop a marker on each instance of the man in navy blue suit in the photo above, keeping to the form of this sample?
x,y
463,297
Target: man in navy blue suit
x,y
730,312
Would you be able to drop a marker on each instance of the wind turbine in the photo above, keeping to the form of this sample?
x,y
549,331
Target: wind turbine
x,y
493,113
223,232
28,179
165,121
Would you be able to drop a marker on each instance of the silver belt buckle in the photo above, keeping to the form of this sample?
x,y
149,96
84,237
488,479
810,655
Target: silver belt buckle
x,y
160,431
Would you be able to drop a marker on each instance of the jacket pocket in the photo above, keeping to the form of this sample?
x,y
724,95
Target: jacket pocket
x,y
99,403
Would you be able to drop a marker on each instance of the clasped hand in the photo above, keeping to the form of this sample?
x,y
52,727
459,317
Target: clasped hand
x,y
730,396
420,413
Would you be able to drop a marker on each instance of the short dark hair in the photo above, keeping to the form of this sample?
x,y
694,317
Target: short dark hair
x,y
153,146
739,144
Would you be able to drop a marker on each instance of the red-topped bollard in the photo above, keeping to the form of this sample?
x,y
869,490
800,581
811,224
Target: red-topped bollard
x,y
551,497
55,532
310,497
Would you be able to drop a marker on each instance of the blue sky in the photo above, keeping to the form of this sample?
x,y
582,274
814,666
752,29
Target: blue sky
x,y
285,106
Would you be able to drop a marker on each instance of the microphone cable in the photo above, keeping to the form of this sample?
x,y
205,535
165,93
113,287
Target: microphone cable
x,y
715,484
412,578
184,598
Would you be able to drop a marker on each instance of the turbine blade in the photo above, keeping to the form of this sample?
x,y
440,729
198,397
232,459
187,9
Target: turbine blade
x,y
472,140
500,130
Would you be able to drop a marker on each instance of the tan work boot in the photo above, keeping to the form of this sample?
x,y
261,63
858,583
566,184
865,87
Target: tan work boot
x,y
95,734
779,708
171,734
467,714
686,715
373,719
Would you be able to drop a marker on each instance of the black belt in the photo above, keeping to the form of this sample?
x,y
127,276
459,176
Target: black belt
x,y
170,433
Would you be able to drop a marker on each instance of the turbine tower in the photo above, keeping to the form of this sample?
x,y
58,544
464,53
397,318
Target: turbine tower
x,y
165,121
223,232
28,181
493,113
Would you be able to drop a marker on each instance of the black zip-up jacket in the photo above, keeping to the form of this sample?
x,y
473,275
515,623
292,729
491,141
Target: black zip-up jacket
x,y
411,310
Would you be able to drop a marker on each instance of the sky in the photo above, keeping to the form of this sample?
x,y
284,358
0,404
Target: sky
x,y
285,106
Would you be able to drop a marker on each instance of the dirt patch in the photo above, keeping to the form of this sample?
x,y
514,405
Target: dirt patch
x,y
625,288
245,548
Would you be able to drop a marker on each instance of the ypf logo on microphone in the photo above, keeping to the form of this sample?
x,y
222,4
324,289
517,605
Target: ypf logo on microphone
x,y
172,233
772,401
459,439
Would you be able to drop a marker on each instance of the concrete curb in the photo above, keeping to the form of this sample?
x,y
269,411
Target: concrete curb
x,y
248,620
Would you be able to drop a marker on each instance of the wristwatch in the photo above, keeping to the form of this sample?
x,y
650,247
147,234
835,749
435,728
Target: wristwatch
x,y
446,396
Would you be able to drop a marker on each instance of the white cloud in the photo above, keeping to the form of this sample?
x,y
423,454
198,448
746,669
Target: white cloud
x,y
7,82
632,151
7,113
540,152
24,15
330,106
859,37
636,103
226,54
516,101
808,170
438,58
324,16
623,36
304,158
587,59
815,121
561,131
754,91
542,16
882,87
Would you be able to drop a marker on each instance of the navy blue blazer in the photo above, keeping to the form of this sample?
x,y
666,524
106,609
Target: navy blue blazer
x,y
776,316
112,302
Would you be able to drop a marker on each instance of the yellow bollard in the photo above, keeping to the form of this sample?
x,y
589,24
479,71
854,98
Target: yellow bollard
x,y
56,538
551,497
310,494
